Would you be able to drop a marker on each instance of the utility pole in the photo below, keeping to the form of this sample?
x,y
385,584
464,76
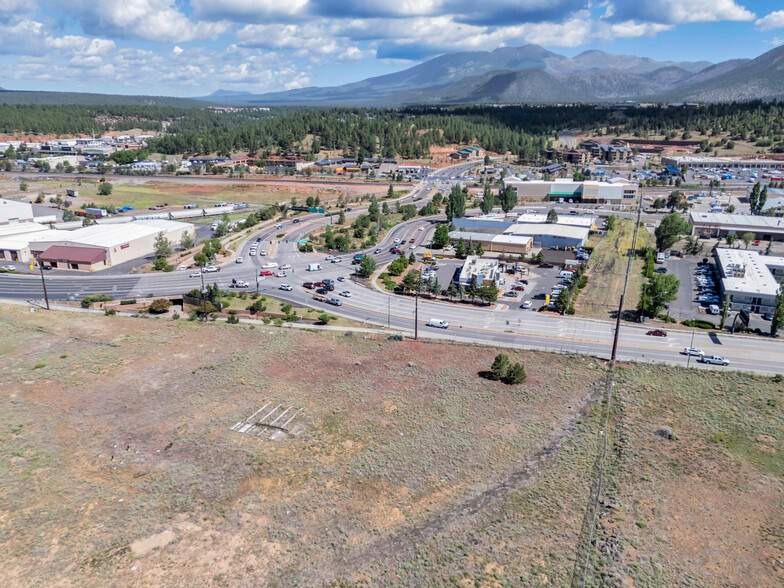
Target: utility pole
x,y
416,311
43,281
389,311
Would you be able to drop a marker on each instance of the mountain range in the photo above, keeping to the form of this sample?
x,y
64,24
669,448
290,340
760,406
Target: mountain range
x,y
534,74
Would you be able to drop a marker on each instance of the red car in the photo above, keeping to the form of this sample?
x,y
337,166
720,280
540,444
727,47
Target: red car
x,y
519,288
266,273
318,284
657,333
308,285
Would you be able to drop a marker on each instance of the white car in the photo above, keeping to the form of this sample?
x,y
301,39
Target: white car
x,y
421,228
346,294
281,274
239,259
285,266
526,304
211,268
336,260
413,246
279,226
397,240
195,275
262,252
286,287
693,351
9,268
253,252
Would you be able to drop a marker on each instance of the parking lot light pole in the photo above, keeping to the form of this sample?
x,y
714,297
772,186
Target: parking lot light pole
x,y
43,281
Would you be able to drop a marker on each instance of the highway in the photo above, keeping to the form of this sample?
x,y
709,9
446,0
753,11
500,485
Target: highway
x,y
498,325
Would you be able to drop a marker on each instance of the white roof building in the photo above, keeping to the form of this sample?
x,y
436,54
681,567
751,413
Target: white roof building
x,y
714,224
13,211
748,279
478,271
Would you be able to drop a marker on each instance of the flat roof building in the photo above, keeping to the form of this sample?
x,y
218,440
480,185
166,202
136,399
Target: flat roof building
x,y
12,211
495,243
589,191
119,242
748,279
714,224
477,271
720,162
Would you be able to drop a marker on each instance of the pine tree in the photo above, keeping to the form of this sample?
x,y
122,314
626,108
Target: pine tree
x,y
500,366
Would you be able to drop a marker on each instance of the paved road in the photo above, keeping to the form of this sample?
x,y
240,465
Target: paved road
x,y
504,325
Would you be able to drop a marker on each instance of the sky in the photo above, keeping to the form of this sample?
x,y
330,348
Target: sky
x,y
194,47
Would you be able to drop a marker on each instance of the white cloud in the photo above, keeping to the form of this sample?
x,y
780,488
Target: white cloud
x,y
249,10
680,11
143,19
774,20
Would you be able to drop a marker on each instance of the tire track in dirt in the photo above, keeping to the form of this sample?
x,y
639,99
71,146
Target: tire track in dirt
x,y
461,514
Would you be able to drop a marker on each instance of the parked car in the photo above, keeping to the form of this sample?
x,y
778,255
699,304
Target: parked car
x,y
714,359
693,351
660,270
510,294
526,304
286,287
285,266
519,288
9,268
321,290
281,274
657,333
308,285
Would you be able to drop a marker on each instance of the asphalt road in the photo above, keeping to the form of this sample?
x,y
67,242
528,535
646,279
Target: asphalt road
x,y
504,325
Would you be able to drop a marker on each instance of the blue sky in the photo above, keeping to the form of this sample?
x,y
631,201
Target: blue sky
x,y
193,47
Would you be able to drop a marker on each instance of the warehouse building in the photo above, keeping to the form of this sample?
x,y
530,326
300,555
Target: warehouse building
x,y
711,224
721,163
495,243
15,240
749,279
12,212
563,189
100,246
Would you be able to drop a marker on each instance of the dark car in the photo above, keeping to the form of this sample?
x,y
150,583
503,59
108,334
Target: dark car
x,y
661,270
295,221
546,265
321,290
329,287
657,333
540,296
308,285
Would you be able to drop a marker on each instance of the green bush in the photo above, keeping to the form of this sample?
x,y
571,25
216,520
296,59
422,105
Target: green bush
x,y
110,312
699,323
127,302
515,375
159,306
88,301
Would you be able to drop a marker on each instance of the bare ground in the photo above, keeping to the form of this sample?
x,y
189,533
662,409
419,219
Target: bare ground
x,y
405,466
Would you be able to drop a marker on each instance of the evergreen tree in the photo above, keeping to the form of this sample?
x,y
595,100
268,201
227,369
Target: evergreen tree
x,y
488,200
508,199
500,366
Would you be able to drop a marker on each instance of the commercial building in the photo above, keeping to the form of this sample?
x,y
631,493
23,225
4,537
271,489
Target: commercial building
x,y
712,224
100,246
12,212
721,163
551,236
749,279
477,271
561,155
15,240
563,189
500,223
495,243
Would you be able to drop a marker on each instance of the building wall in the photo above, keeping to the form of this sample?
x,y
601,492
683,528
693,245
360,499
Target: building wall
x,y
12,211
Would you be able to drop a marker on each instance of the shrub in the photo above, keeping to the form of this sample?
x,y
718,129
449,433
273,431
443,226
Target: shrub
x,y
699,323
38,366
159,306
500,366
127,302
110,312
88,301
395,337
515,375
175,316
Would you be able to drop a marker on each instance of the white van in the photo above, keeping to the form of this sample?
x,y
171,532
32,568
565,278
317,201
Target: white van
x,y
660,257
566,274
270,265
314,267
438,323
714,309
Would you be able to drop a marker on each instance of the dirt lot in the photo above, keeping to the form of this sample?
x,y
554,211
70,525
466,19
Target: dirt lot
x,y
405,466
607,273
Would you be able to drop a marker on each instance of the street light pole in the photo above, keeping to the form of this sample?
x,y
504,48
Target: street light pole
x,y
416,312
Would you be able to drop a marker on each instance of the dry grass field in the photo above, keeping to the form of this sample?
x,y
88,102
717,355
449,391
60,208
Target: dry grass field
x,y
405,466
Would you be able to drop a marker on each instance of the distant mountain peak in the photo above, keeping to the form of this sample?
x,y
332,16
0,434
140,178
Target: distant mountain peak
x,y
222,92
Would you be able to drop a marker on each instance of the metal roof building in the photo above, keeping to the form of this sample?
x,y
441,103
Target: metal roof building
x,y
712,224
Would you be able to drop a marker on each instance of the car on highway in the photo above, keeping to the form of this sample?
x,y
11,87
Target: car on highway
x,y
286,287
334,301
258,239
266,273
413,247
693,351
395,250
279,226
714,360
346,294
526,304
296,221
337,260
211,269
8,268
421,228
263,252
397,240
239,259
235,283
341,279
195,275
657,333
377,251
411,240
252,252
